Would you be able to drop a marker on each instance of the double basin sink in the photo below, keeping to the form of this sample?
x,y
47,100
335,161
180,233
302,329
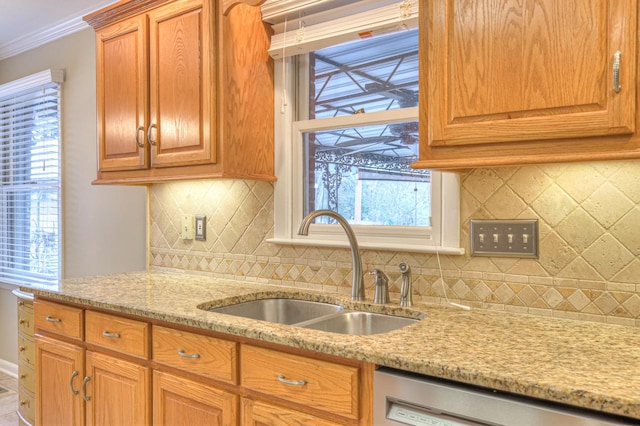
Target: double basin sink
x,y
314,315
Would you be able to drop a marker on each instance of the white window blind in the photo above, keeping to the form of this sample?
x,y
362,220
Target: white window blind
x,y
30,179
302,26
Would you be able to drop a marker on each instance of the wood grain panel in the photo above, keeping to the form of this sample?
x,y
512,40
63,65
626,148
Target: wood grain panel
x,y
121,86
180,84
216,358
328,386
119,391
256,413
59,319
500,71
179,401
119,334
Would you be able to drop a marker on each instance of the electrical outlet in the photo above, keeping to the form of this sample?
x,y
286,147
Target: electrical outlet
x,y
186,230
511,238
201,227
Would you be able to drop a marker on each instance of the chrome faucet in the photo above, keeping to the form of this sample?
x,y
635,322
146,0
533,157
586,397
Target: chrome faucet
x,y
357,283
405,290
381,281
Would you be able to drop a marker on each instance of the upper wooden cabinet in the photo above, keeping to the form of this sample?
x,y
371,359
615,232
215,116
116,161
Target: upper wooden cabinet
x,y
533,81
184,90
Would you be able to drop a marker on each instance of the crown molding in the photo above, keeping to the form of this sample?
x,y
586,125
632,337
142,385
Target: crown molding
x,y
40,37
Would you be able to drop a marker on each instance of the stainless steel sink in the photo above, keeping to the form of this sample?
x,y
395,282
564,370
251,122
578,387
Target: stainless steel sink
x,y
280,310
360,323
313,315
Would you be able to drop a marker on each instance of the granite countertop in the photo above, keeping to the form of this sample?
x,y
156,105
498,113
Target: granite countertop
x,y
585,364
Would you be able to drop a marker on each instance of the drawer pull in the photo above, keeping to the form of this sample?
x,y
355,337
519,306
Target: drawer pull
x,y
21,303
183,354
22,348
25,402
84,389
52,319
286,381
111,335
23,321
73,376
23,376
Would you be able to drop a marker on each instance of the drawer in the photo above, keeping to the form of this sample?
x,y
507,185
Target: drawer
x,y
26,351
27,406
196,353
315,383
59,319
119,334
25,317
26,377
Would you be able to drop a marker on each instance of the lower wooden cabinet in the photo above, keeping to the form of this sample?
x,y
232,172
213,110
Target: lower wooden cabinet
x,y
255,413
59,368
26,359
99,368
116,391
180,401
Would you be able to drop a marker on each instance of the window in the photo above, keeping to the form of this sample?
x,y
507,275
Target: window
x,y
30,179
347,133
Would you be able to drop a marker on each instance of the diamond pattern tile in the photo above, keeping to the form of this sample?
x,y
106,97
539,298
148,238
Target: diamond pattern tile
x,y
589,249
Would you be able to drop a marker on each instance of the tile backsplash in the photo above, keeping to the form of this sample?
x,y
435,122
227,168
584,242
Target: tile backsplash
x,y
589,261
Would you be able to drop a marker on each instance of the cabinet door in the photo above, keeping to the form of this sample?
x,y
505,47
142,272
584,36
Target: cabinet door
x,y
255,413
122,95
182,76
507,70
118,391
179,401
59,373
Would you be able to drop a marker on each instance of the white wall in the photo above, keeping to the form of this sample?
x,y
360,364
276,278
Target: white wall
x,y
104,227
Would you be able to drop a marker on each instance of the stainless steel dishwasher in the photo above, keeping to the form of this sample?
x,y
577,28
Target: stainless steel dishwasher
x,y
402,398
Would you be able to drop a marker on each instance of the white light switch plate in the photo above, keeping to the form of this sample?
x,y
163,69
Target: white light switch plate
x,y
186,230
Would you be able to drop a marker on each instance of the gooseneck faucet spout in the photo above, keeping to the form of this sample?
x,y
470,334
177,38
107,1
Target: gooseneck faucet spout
x,y
357,283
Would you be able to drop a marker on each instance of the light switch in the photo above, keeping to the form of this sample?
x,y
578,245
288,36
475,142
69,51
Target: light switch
x,y
514,238
186,228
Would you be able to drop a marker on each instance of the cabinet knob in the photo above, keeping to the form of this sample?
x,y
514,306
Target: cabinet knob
x,y
25,402
23,321
22,348
23,376
20,303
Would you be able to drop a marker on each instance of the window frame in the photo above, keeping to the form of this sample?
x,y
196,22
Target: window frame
x,y
442,237
27,86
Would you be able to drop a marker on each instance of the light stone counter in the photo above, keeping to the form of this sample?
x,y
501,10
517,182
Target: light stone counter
x,y
589,365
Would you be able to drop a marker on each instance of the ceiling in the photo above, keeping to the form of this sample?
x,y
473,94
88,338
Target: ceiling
x,y
25,24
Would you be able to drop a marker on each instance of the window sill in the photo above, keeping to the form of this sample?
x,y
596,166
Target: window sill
x,y
385,246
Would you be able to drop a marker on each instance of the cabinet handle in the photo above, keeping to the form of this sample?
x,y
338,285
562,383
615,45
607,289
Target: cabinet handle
x,y
20,303
25,402
84,388
23,321
149,138
111,335
283,379
183,354
23,376
52,319
616,71
22,348
73,376
138,130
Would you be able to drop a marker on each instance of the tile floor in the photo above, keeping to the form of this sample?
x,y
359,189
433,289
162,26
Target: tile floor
x,y
8,401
